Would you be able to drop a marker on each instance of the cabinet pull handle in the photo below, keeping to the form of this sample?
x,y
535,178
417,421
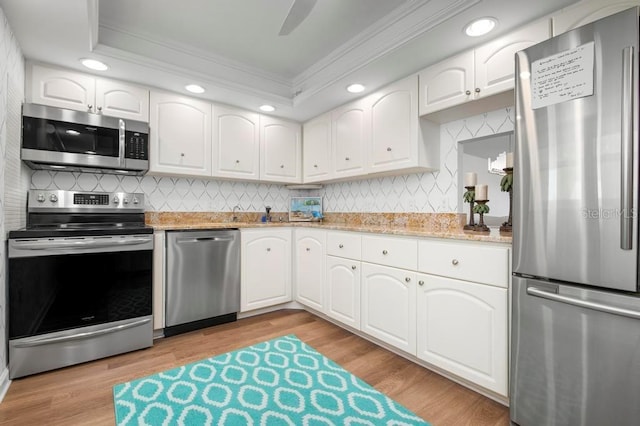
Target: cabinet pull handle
x,y
477,90
468,92
454,262
315,165
353,267
237,161
182,154
407,279
388,149
420,282
308,249
282,166
89,107
385,252
341,246
346,158
268,249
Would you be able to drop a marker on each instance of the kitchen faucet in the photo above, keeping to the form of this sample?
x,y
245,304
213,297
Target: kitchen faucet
x,y
235,218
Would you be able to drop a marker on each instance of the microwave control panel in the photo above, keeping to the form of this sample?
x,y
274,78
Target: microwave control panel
x,y
136,145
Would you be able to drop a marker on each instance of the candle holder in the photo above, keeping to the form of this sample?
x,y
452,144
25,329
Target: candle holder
x,y
506,185
481,208
469,197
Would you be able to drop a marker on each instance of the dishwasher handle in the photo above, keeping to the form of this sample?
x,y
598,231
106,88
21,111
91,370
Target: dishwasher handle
x,y
204,239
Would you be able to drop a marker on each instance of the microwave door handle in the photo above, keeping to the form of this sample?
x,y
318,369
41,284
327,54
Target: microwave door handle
x,y
626,134
121,140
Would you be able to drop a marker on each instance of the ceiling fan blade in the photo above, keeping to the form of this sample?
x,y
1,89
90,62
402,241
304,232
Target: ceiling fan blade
x,y
300,9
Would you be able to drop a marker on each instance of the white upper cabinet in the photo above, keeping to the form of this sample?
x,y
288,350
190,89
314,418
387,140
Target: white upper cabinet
x,y
236,143
447,83
122,100
494,61
281,150
350,138
180,137
83,92
586,11
479,73
316,152
396,139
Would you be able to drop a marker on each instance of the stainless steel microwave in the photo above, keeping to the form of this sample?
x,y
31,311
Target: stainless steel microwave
x,y
62,139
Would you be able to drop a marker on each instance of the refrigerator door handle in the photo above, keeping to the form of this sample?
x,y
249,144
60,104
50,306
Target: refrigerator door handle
x,y
539,292
626,187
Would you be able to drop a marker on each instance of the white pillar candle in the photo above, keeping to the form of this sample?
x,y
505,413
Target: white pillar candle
x,y
470,179
481,192
509,162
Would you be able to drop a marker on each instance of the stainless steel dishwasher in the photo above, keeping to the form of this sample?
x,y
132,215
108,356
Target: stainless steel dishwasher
x,y
203,279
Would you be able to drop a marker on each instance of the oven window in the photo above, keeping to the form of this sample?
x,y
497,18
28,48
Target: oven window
x,y
53,293
51,135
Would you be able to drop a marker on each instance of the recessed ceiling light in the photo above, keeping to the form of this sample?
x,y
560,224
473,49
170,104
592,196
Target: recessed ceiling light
x,y
355,88
480,27
267,108
194,88
94,64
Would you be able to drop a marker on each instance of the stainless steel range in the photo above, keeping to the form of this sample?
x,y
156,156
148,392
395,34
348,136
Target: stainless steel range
x,y
79,280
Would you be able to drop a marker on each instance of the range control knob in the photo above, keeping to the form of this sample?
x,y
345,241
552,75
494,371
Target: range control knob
x,y
116,200
126,201
135,200
41,198
53,198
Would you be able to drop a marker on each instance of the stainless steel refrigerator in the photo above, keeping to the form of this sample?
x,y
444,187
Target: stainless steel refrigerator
x,y
575,341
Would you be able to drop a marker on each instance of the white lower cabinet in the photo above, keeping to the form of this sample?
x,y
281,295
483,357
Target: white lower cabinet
x,y
265,268
343,290
309,276
389,305
462,328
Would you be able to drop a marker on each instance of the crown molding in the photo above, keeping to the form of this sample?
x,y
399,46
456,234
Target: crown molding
x,y
396,29
217,66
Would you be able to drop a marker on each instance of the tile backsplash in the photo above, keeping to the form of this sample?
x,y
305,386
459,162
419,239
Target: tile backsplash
x,y
420,193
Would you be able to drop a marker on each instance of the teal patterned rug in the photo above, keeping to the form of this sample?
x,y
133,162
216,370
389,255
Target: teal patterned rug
x,y
279,382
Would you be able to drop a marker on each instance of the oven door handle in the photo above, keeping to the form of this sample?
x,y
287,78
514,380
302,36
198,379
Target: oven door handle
x,y
40,341
27,245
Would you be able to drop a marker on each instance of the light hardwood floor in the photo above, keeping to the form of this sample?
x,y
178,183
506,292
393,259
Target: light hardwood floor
x,y
82,394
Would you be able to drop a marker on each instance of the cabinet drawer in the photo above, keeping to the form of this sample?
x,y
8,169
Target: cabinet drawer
x,y
482,264
390,251
344,244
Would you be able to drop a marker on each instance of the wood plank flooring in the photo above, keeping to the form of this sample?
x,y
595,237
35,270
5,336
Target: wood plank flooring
x,y
82,394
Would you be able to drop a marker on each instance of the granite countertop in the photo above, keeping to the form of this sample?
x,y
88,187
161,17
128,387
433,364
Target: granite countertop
x,y
404,228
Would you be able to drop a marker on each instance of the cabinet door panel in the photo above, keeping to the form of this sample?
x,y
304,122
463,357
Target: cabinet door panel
x,y
63,89
389,306
180,135
446,84
343,291
394,127
266,269
351,136
317,149
494,61
122,100
462,328
236,143
310,268
280,150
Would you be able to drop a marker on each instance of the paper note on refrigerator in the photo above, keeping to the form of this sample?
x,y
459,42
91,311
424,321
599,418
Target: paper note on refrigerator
x,y
562,77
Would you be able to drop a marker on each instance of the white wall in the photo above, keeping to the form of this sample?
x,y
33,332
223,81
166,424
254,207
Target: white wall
x,y
13,178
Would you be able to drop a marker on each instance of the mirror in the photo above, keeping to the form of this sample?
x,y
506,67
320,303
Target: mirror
x,y
473,155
